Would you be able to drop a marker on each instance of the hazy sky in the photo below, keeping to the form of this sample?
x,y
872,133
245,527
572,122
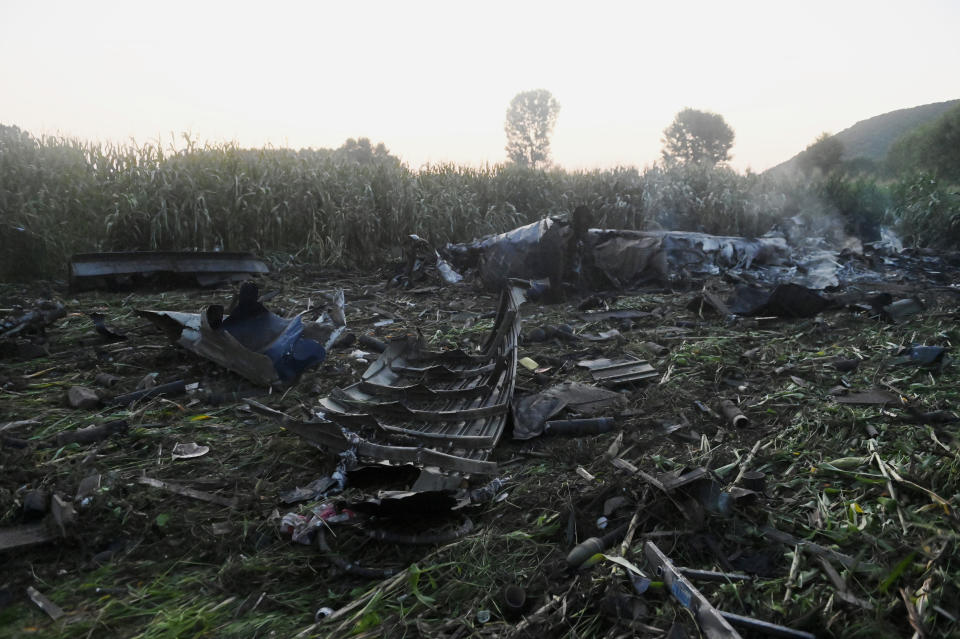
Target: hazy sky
x,y
432,80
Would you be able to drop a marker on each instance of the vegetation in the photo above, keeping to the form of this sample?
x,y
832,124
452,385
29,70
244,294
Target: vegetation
x,y
531,117
824,155
875,483
928,210
870,140
697,137
348,206
933,147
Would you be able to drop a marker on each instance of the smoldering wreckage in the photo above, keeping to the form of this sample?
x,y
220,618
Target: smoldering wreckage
x,y
427,418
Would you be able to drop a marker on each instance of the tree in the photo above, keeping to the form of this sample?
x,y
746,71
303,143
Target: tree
x,y
825,154
530,121
362,151
698,137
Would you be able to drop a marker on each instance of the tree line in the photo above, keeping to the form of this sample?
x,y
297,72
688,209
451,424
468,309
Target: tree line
x,y
694,136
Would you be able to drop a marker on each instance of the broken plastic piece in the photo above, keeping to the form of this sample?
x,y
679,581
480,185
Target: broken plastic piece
x,y
531,412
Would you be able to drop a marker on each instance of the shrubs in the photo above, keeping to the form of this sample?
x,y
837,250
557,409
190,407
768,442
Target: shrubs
x,y
353,206
928,211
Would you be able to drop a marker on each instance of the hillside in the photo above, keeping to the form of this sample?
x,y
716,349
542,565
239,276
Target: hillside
x,y
872,138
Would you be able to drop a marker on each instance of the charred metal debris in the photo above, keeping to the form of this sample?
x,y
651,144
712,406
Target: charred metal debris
x,y
128,269
412,439
445,410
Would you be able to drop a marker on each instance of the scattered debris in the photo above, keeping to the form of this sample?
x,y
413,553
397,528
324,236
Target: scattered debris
x,y
427,401
82,397
585,398
853,432
876,396
532,412
178,387
26,535
548,250
921,356
92,434
617,372
189,450
35,320
53,610
177,489
711,622
109,333
901,310
579,427
125,270
785,300
107,379
733,415
253,342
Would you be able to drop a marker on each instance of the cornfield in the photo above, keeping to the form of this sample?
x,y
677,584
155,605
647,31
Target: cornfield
x,y
59,196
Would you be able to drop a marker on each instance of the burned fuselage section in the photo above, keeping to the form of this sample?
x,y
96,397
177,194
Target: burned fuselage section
x,y
554,250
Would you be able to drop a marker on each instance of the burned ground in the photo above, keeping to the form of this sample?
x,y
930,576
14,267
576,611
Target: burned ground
x,y
873,486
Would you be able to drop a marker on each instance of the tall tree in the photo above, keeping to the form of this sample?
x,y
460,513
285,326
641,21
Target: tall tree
x,y
697,136
530,121
825,153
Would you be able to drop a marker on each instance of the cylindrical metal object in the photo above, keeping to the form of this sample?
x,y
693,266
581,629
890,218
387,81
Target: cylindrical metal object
x,y
584,550
710,575
733,414
514,600
579,427
765,627
754,480
372,343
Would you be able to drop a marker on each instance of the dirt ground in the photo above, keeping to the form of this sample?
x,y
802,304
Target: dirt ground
x,y
873,486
